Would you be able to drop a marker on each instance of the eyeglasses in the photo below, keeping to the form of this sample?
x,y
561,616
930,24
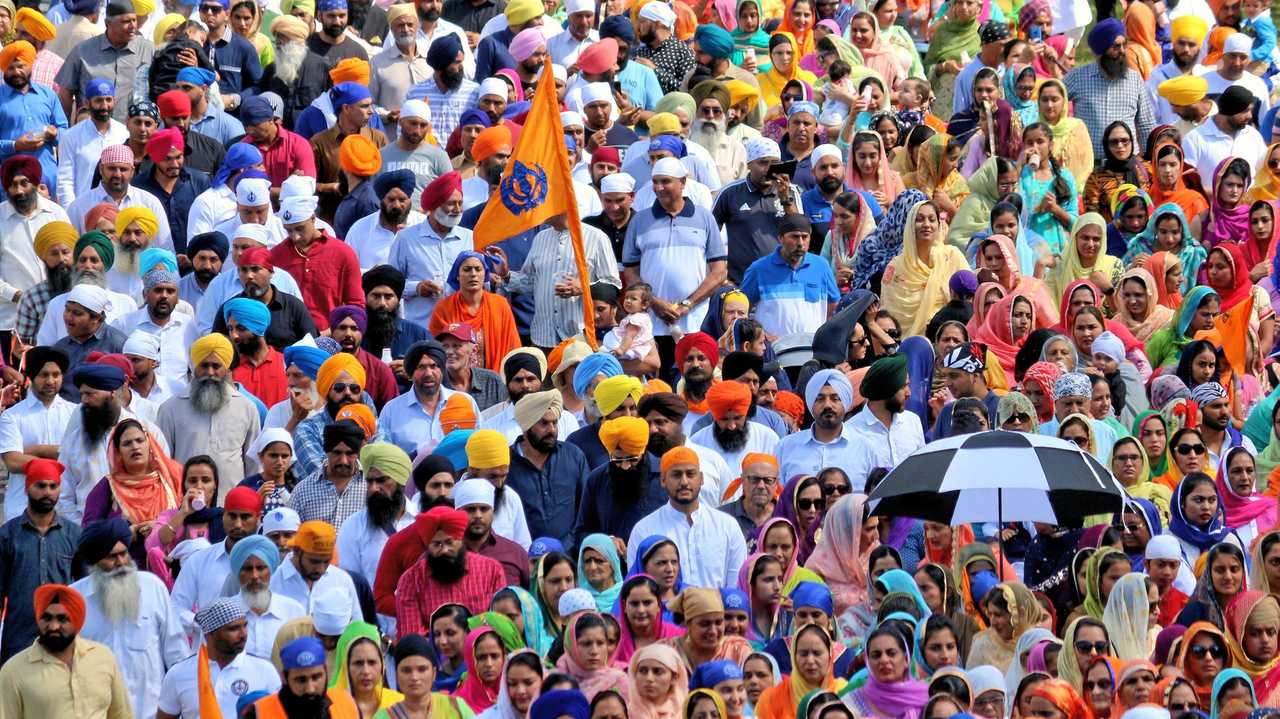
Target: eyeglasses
x,y
831,489
894,334
347,387
1087,647
1104,684
625,460
1081,441
1128,528
808,504
759,479
1189,449
1215,651
708,111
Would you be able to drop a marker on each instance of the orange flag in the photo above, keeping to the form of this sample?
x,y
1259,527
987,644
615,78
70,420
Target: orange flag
x,y
537,185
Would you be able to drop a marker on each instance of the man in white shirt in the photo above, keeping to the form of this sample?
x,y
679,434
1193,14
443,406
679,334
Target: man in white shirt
x,y
523,370
308,570
1187,38
252,562
34,427
709,541
579,33
731,434
81,146
129,611
175,331
21,217
1230,133
232,672
426,251
116,166
371,236
203,574
1233,72
387,511
884,425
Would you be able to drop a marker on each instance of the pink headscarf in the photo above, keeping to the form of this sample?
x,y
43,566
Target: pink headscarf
x,y
1226,225
478,695
590,681
1242,510
626,638
839,558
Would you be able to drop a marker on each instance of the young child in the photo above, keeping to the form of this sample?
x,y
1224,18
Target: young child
x,y
834,111
633,337
915,95
1259,25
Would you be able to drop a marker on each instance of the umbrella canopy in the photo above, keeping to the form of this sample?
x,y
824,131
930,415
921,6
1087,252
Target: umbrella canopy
x,y
997,476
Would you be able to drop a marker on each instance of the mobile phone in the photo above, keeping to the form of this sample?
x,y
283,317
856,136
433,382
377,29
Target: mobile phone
x,y
1036,34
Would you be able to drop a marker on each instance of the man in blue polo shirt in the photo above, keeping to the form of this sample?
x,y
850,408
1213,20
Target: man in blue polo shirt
x,y
234,57
791,289
828,175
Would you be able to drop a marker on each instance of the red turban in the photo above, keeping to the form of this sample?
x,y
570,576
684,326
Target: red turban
x,y
703,342
606,154
41,469
242,499
60,594
725,397
174,103
25,165
259,256
441,519
164,141
440,190
119,361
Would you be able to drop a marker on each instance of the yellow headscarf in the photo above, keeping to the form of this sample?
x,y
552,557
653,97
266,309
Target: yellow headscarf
x,y
145,218
1267,184
914,287
1070,268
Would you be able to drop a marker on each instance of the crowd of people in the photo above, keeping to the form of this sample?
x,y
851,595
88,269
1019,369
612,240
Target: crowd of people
x,y
290,433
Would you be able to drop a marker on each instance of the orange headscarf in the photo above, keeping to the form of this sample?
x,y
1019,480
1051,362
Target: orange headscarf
x,y
142,497
1158,265
493,322
804,43
1142,52
1190,201
1064,697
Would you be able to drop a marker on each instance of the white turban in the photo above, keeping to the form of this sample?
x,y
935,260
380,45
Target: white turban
x,y
836,379
142,344
417,108
473,491
253,231
94,299
617,182
493,86
659,12
759,148
297,209
253,192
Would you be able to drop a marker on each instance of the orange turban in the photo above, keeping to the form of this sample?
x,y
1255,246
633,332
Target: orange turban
x,y
629,433
60,594
315,537
790,404
490,141
457,413
655,385
557,354
20,50
352,69
759,458
359,156
679,455
726,397
359,413
334,366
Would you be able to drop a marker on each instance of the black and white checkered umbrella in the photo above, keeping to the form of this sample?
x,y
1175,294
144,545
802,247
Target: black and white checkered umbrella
x,y
997,476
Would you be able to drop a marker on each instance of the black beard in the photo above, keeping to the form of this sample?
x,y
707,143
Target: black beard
x,y
23,202
99,115
1184,65
382,329
494,175
697,386
394,218
894,405
55,642
425,504
830,184
649,37
383,509
60,278
1113,67
828,421
498,494
628,484
333,31
659,443
515,396
98,420
1213,424
451,79
333,407
247,347
16,82
545,446
448,569
431,15
42,506
307,705
204,277
730,440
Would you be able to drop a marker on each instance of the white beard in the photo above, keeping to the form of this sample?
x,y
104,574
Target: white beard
x,y
289,57
256,600
127,259
708,139
119,595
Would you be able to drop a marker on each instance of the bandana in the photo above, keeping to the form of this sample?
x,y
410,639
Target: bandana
x,y
969,357
1072,384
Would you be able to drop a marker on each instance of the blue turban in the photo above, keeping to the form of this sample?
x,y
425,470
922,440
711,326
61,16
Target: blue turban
x,y
196,76
544,545
1104,34
153,256
804,106
252,315
99,87
443,52
454,448
462,257
561,702
814,596
99,538
255,111
596,363
668,143
838,381
402,178
81,7
618,26
709,674
348,93
159,276
306,357
254,545
213,241
304,653
102,377
714,41
735,599
331,5
982,583
474,117
239,156
570,144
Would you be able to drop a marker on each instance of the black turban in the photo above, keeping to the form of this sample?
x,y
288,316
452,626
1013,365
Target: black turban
x,y
519,361
383,276
667,404
343,432
102,377
736,364
427,348
37,357
604,292
215,241
430,466
99,538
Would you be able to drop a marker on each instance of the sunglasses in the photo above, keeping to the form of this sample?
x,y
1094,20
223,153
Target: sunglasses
x,y
1104,684
1087,647
1273,164
1213,650
792,98
1019,418
1081,442
347,387
1128,458
211,9
1175,707
832,489
1189,449
1128,528
808,504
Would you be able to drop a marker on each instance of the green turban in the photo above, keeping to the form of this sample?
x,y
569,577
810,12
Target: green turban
x,y
388,459
683,100
713,89
885,378
98,240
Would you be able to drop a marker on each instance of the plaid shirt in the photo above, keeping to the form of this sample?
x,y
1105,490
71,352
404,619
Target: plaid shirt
x,y
417,595
31,309
46,68
308,436
1100,100
317,498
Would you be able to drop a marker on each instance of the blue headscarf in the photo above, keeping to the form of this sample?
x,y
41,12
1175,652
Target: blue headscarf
x,y
561,702
878,249
898,580
1191,254
646,548
596,363
605,546
1150,515
815,596
1220,682
1190,303
485,260
1201,537
920,361
239,156
709,674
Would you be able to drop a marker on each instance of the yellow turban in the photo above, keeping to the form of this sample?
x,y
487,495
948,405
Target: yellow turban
x,y
315,537
395,12
20,50
740,91
569,358
55,233
388,459
165,24
531,407
288,6
1184,90
145,218
35,24
144,7
351,69
519,12
487,448
289,27
663,123
212,344
629,433
334,366
613,391
1189,26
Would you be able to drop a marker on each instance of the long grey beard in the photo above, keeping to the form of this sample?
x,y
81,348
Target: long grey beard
x,y
127,259
289,59
258,600
209,394
90,277
709,139
118,593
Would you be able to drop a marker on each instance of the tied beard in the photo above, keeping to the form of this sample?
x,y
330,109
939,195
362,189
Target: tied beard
x,y
710,133
210,394
448,569
382,329
730,440
98,420
383,509
289,57
127,259
60,278
117,592
628,484
256,599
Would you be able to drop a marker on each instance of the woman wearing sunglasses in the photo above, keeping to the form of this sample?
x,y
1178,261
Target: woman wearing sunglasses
x,y
1187,455
1202,656
1197,521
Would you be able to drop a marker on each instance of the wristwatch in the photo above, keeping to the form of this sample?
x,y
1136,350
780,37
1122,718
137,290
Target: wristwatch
x,y
684,303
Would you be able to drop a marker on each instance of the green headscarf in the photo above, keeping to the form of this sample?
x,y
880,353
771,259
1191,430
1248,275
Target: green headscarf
x,y
1165,345
605,598
354,632
535,635
951,39
974,214
1093,602
506,629
1159,465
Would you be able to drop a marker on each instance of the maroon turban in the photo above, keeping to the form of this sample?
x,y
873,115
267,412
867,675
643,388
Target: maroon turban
x,y
25,165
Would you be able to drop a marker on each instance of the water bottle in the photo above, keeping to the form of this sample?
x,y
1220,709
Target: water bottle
x,y
386,355
197,504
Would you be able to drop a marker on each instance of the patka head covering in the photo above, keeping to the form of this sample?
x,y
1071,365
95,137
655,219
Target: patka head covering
x,y
969,357
219,613
302,653
473,491
1110,345
90,297
1072,384
659,12
253,192
617,182
348,93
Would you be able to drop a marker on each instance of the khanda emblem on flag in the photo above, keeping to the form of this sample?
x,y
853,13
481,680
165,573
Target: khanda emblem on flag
x,y
524,188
